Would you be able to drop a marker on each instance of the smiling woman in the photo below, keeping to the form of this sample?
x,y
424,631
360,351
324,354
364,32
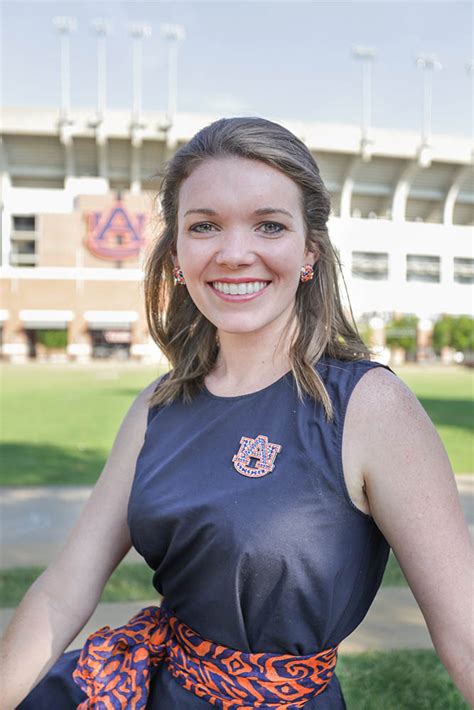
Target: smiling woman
x,y
244,201
263,479
219,257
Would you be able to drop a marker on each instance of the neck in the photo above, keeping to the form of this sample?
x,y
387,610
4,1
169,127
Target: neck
x,y
247,358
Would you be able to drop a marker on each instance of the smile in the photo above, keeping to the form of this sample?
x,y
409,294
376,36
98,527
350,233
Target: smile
x,y
241,288
240,291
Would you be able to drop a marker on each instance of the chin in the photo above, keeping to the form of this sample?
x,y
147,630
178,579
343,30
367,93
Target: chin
x,y
235,328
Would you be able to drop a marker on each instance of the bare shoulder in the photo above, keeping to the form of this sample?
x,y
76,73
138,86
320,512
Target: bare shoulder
x,y
401,459
132,429
380,408
353,445
138,410
385,415
381,403
379,385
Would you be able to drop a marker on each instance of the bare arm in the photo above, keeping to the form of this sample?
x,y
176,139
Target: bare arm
x,y
60,602
413,498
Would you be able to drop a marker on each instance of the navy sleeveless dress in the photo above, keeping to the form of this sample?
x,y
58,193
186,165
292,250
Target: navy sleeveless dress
x,y
280,563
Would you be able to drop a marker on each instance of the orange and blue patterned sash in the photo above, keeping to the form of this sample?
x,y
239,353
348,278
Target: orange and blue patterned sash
x,y
115,665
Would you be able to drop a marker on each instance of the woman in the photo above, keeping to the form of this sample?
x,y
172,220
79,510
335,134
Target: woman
x,y
275,466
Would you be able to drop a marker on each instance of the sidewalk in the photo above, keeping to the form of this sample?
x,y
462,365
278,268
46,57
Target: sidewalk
x,y
35,522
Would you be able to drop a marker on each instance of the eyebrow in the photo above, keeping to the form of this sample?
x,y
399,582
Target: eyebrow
x,y
259,212
201,210
272,210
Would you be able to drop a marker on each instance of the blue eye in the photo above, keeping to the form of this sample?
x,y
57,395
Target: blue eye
x,y
202,227
274,227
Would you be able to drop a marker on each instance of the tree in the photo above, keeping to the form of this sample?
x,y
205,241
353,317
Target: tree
x,y
463,334
443,333
455,332
401,333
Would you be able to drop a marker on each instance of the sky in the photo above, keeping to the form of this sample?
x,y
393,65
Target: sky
x,y
278,59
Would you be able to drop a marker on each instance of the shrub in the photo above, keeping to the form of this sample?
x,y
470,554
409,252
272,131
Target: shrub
x,y
52,339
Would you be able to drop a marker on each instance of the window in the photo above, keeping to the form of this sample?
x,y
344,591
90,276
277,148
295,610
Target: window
x,y
23,240
370,265
23,252
423,268
463,270
24,222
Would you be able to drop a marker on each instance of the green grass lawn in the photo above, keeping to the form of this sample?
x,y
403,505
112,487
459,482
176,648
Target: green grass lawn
x,y
129,582
393,575
447,394
397,680
60,421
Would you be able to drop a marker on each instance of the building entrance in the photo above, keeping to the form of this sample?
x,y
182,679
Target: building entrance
x,y
113,344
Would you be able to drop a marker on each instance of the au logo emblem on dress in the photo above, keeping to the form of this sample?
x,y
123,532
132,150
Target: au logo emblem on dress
x,y
259,448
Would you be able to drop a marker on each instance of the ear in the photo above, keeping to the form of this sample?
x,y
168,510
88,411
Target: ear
x,y
311,257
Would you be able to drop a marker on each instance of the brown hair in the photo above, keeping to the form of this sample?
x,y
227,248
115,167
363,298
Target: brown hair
x,y
185,336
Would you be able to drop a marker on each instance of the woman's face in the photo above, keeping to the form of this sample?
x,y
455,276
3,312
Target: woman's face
x,y
241,229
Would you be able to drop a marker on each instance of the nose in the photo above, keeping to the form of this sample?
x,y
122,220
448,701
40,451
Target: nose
x,y
235,249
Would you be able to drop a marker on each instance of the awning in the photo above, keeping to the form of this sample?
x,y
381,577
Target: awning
x,y
110,320
34,319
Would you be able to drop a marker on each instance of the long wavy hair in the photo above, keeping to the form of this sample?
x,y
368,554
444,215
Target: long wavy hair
x,y
185,336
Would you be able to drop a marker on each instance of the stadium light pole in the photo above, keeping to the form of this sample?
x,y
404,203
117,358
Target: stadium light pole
x,y
366,55
174,34
101,28
138,31
470,70
65,26
429,63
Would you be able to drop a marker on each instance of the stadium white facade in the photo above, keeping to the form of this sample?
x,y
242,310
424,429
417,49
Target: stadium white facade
x,y
402,220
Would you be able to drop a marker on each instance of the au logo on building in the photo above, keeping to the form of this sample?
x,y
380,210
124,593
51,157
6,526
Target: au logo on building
x,y
115,234
260,449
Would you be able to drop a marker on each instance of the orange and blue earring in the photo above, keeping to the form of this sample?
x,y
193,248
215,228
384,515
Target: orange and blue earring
x,y
178,276
306,273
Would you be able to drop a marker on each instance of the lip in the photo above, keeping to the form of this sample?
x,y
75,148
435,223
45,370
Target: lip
x,y
239,281
235,298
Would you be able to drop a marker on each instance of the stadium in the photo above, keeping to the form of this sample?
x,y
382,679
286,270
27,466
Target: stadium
x,y
78,199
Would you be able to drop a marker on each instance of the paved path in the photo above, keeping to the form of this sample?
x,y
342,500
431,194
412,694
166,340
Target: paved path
x,y
34,522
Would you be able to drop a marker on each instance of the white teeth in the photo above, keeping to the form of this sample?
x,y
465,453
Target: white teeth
x,y
241,289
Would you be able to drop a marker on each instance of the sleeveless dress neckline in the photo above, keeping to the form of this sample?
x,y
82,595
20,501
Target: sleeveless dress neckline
x,y
237,397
